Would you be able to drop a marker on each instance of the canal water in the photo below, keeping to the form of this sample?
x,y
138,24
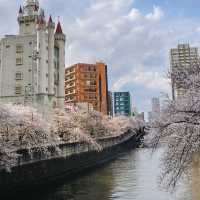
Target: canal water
x,y
133,176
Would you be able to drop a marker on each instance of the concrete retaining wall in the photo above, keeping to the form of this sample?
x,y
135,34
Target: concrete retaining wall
x,y
31,174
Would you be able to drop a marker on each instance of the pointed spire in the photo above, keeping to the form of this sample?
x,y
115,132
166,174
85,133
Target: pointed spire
x,y
40,22
50,20
20,10
59,28
35,8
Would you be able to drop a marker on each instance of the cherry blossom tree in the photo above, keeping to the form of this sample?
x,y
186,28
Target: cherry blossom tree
x,y
24,128
72,127
179,127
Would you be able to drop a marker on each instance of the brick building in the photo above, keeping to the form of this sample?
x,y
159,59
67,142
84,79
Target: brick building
x,y
87,83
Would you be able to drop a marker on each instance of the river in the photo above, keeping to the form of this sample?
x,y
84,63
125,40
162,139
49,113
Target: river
x,y
133,176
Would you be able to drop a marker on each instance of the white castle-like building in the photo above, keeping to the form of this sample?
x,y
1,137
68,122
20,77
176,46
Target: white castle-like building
x,y
32,63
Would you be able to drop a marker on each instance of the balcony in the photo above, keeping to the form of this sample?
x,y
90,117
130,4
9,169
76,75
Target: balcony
x,y
69,72
69,86
70,92
70,79
70,100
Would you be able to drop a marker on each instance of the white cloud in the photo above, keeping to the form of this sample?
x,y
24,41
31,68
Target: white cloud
x,y
134,14
198,29
145,79
157,13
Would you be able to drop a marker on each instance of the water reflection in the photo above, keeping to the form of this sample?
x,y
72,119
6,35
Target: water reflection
x,y
131,177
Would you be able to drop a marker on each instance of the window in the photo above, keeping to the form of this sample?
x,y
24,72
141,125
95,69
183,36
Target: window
x,y
18,61
18,76
92,75
90,90
19,49
18,90
72,77
93,83
87,83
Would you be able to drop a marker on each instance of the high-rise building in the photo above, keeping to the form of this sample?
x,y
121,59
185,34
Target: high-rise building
x,y
155,108
155,105
150,117
182,57
87,83
110,103
141,116
122,103
32,63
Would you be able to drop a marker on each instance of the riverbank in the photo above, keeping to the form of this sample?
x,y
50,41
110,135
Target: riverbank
x,y
131,176
30,174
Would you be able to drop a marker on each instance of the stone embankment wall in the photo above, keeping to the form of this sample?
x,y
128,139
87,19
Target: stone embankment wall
x,y
36,170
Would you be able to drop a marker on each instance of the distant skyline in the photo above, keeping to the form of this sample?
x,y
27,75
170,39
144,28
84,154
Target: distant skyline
x,y
132,36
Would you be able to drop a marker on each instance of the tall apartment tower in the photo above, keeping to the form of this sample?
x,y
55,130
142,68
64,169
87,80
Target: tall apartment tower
x,y
182,57
155,107
122,103
87,83
150,117
32,63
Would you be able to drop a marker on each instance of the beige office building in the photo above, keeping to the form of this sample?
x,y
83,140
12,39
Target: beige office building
x,y
32,63
182,57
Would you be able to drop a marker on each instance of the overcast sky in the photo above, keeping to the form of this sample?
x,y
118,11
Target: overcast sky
x,y
132,36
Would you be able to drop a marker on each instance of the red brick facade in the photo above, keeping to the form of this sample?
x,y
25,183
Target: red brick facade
x,y
87,83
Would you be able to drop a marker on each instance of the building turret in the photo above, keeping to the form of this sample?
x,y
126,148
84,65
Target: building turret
x,y
27,17
20,13
36,10
60,48
51,68
42,61
37,4
29,7
41,22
